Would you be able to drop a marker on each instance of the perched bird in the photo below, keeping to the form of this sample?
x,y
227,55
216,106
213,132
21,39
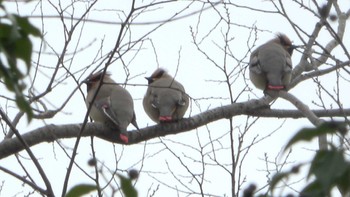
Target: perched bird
x,y
113,105
270,65
165,99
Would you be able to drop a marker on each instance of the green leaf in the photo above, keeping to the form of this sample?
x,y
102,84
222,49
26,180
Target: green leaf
x,y
15,30
9,80
127,187
343,182
80,190
328,166
15,45
5,31
23,105
312,190
26,26
307,134
24,50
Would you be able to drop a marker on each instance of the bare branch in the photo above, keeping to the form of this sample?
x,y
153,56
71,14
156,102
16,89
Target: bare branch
x,y
51,133
23,144
308,114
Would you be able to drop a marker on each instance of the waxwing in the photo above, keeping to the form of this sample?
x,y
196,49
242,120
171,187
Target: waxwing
x,y
113,105
165,99
270,66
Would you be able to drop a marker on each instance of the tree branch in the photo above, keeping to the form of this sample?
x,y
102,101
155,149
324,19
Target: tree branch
x,y
24,145
314,119
51,133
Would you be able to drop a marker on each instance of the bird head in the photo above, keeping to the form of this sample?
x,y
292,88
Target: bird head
x,y
283,40
95,78
157,74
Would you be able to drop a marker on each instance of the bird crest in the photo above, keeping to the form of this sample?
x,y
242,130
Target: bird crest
x,y
283,40
156,75
96,76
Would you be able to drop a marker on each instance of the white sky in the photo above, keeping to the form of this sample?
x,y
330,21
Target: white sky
x,y
174,47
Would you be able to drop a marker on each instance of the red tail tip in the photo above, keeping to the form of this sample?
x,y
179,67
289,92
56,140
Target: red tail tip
x,y
165,118
124,138
272,87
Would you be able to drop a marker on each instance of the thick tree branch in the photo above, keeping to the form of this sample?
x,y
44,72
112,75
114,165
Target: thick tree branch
x,y
314,119
258,108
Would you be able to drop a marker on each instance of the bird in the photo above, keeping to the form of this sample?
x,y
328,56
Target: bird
x,y
270,65
113,105
165,99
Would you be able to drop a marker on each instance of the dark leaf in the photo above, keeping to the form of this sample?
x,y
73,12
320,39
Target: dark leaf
x,y
5,31
312,190
328,166
307,134
80,190
9,81
24,50
343,182
23,105
26,26
127,187
14,45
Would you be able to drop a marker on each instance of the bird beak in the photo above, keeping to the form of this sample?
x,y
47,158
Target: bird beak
x,y
88,84
292,47
86,81
296,46
149,79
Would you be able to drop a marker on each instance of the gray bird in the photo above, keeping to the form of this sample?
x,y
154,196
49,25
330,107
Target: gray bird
x,y
165,99
113,105
270,65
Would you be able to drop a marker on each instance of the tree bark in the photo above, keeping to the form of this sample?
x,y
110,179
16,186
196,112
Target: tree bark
x,y
257,108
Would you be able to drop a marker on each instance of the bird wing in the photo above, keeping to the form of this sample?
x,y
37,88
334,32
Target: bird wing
x,y
184,97
133,122
104,105
254,65
147,105
289,64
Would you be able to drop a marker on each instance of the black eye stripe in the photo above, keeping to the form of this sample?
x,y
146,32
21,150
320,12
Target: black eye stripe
x,y
96,78
159,74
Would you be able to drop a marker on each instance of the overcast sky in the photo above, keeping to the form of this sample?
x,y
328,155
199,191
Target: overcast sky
x,y
169,46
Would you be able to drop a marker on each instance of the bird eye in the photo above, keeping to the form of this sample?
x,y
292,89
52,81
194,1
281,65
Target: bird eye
x,y
97,78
